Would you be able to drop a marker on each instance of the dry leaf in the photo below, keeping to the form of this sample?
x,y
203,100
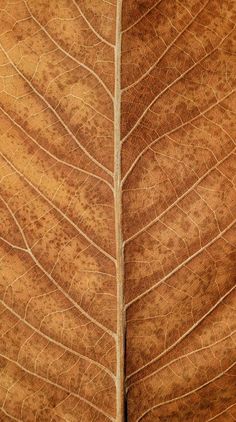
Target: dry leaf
x,y
118,204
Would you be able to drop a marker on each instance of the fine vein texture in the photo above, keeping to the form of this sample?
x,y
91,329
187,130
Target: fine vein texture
x,y
117,211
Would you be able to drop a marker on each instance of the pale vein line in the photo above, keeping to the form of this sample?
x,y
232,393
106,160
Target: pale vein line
x,y
192,187
86,104
186,394
10,416
49,276
69,55
58,343
174,130
19,248
167,49
181,265
54,384
173,83
91,26
52,155
221,413
120,400
179,358
196,323
142,17
58,210
56,114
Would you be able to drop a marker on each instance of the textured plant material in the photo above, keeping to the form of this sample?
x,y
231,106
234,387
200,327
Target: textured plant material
x,y
117,192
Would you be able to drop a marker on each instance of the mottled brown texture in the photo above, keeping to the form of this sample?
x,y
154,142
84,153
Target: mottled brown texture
x,y
179,207
117,210
58,284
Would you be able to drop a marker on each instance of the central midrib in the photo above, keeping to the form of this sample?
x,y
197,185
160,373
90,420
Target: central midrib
x,y
120,387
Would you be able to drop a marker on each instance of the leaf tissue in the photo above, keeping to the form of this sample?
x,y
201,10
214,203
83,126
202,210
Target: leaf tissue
x,y
117,210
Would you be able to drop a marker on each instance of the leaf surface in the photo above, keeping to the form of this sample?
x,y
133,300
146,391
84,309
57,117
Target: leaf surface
x,y
179,205
117,210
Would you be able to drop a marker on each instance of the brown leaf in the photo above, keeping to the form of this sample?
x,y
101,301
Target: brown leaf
x,y
117,211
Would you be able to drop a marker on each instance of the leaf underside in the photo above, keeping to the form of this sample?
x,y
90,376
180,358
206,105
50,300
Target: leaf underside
x,y
117,210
